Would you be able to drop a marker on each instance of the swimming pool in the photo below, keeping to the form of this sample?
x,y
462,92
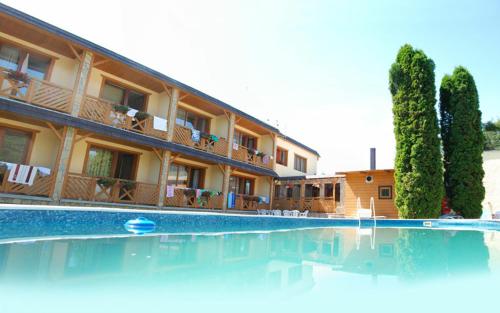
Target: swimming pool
x,y
85,261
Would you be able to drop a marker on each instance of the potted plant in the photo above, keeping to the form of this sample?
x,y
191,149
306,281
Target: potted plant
x,y
128,184
261,154
18,76
122,109
140,115
106,182
206,194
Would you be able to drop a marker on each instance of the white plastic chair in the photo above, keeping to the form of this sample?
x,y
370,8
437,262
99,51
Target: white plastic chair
x,y
287,213
295,213
304,214
277,212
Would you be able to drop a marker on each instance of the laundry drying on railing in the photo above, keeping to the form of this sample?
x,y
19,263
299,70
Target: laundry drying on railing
x,y
22,174
159,123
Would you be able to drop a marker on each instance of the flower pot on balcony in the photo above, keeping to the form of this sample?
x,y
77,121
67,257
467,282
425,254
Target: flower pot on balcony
x,y
140,115
106,182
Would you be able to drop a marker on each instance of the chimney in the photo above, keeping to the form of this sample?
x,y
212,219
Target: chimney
x,y
373,159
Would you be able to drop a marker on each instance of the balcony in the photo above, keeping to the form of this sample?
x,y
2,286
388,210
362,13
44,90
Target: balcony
x,y
313,204
183,136
105,189
186,198
36,91
106,112
246,155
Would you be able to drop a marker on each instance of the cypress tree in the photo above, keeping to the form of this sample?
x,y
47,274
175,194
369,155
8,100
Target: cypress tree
x,y
463,143
418,165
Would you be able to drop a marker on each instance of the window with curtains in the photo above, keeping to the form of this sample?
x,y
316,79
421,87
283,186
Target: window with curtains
x,y
123,95
300,164
282,156
14,145
184,176
245,140
241,185
103,162
191,120
12,58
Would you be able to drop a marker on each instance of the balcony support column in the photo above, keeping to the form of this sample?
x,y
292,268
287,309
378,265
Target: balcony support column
x,y
271,192
225,186
63,161
163,177
275,149
82,80
172,113
230,134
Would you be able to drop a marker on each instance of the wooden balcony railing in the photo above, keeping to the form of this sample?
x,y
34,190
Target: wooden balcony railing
x,y
41,185
185,199
313,204
249,203
102,111
38,92
99,189
244,155
182,135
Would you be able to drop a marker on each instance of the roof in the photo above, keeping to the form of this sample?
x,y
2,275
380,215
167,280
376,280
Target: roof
x,y
388,170
298,143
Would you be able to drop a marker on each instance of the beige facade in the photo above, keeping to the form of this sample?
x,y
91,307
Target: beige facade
x,y
293,150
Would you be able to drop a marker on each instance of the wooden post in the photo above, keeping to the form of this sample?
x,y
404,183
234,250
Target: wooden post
x,y
275,149
271,192
172,112
163,177
230,134
302,193
225,186
68,138
62,162
81,82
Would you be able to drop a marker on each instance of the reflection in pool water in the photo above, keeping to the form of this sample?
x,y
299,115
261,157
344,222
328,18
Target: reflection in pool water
x,y
297,270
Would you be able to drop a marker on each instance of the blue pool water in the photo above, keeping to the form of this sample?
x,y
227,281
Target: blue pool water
x,y
76,261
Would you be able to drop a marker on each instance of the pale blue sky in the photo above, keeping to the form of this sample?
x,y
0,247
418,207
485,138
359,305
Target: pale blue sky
x,y
319,68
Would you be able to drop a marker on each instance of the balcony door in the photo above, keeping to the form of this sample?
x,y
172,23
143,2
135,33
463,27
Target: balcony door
x,y
105,162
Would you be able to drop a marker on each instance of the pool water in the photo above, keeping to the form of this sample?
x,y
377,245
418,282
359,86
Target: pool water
x,y
301,270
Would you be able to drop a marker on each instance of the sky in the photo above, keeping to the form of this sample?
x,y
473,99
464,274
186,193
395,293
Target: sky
x,y
318,70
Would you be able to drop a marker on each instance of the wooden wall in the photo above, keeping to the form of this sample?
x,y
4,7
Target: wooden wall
x,y
357,187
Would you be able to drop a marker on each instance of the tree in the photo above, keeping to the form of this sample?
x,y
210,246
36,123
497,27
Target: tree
x,y
463,143
418,164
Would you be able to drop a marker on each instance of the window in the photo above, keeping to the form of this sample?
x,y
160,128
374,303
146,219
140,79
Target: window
x,y
328,190
184,176
281,156
103,162
14,145
245,140
311,191
241,185
12,58
385,192
125,96
293,191
191,120
300,164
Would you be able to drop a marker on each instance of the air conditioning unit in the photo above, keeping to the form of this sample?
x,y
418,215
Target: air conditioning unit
x,y
369,179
